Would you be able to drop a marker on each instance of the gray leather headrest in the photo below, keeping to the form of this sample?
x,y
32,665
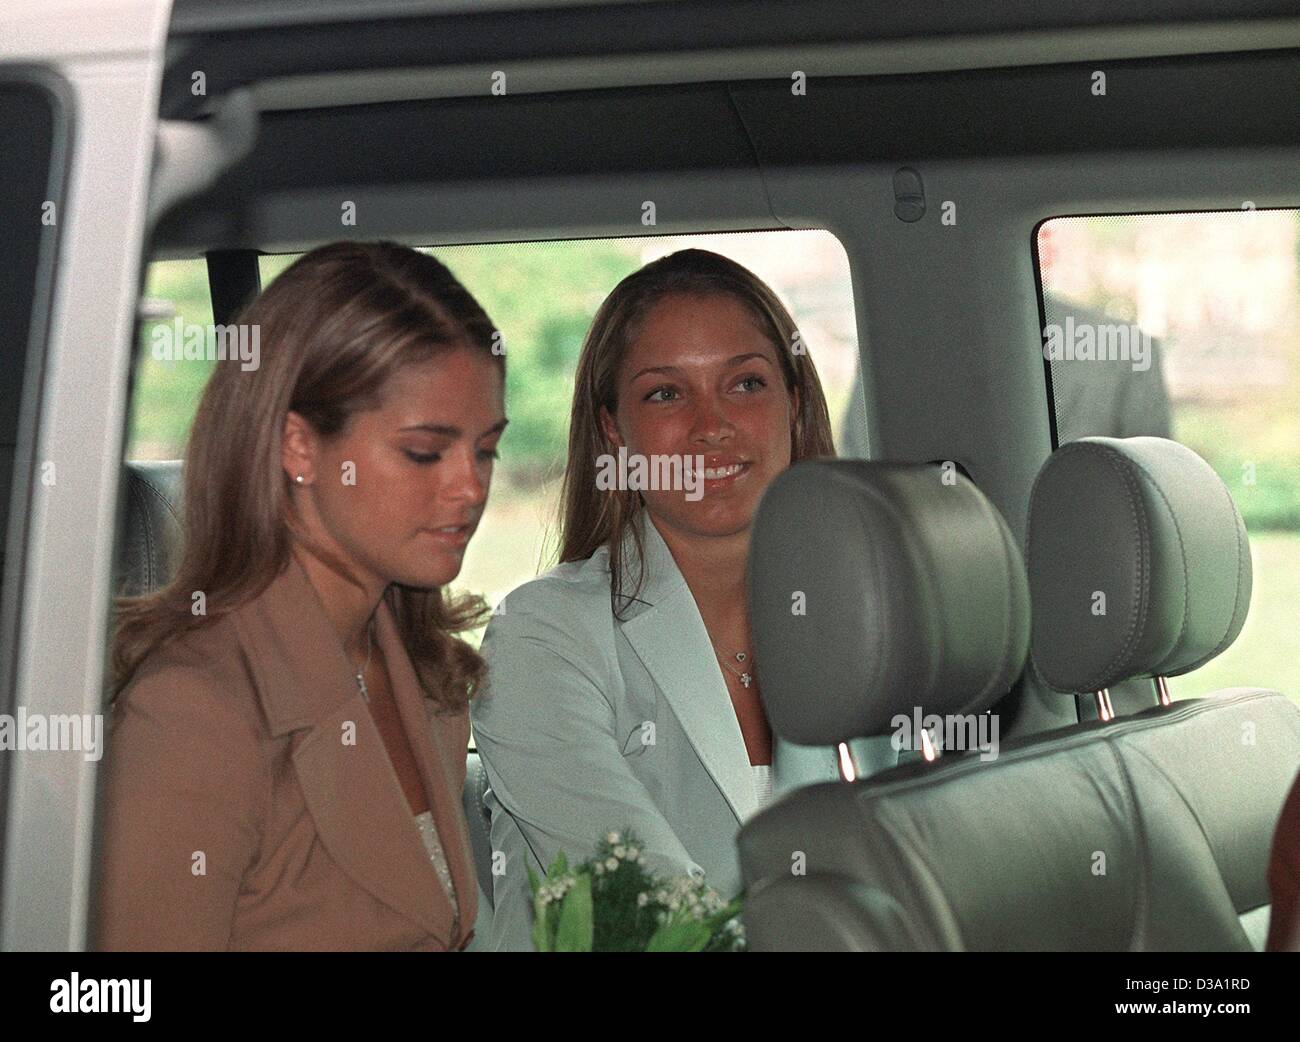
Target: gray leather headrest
x,y
151,536
1138,563
877,589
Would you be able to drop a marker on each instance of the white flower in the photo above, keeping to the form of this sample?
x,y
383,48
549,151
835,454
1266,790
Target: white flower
x,y
620,852
611,863
600,868
633,853
642,900
611,838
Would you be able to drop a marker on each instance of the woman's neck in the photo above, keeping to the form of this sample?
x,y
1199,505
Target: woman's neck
x,y
714,568
349,607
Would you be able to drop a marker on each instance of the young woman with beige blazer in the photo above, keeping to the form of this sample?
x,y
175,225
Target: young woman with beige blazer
x,y
289,729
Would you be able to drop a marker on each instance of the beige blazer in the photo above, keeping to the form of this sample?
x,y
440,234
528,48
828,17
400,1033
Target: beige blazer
x,y
249,801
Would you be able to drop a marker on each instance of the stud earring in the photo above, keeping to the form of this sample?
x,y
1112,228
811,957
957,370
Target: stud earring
x,y
298,479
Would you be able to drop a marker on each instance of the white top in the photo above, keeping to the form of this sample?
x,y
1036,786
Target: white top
x,y
429,834
762,783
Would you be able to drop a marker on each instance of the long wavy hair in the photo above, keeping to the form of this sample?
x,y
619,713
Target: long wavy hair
x,y
334,328
590,517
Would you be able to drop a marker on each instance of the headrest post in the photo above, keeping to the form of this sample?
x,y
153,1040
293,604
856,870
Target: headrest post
x,y
848,769
1162,689
1105,711
928,748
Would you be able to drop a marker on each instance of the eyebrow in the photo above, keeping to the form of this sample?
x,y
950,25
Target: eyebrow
x,y
734,360
455,432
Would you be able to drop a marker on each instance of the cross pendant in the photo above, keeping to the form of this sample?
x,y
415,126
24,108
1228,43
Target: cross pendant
x,y
746,679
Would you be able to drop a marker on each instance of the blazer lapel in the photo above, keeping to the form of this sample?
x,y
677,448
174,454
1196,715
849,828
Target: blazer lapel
x,y
668,634
308,686
436,756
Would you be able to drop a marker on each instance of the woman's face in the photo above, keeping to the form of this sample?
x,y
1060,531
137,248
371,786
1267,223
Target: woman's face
x,y
701,379
401,489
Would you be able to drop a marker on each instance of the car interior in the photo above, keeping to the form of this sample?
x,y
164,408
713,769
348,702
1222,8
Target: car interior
x,y
934,141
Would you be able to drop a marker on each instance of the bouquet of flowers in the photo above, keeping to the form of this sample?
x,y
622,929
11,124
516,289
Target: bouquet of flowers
x,y
612,903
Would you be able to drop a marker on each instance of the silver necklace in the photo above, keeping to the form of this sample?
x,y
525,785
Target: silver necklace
x,y
746,677
361,673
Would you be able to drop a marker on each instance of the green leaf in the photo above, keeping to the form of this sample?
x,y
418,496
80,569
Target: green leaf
x,y
558,867
680,935
575,930
542,926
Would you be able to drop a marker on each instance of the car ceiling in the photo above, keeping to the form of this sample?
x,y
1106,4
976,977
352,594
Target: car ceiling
x,y
333,51
1219,101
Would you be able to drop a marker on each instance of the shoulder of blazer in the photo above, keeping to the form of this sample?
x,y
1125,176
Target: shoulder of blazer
x,y
581,586
566,609
210,655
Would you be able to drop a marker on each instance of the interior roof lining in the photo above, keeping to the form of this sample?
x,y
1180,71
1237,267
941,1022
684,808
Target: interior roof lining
x,y
868,58
1230,101
236,44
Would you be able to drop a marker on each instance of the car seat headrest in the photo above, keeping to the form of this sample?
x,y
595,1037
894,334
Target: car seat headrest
x,y
878,589
1139,564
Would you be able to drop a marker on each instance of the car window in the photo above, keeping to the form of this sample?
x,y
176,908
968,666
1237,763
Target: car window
x,y
1187,326
177,305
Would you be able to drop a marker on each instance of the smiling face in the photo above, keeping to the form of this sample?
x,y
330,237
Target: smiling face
x,y
422,463
701,378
